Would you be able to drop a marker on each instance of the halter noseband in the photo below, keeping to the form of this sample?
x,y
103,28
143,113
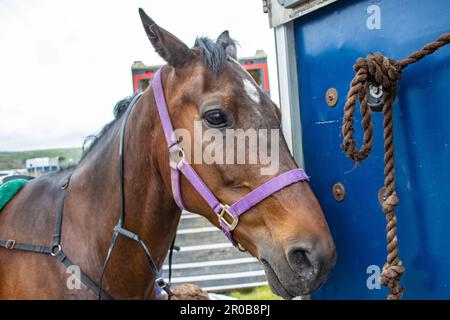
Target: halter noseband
x,y
228,215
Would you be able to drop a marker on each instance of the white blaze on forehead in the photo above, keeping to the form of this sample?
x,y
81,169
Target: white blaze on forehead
x,y
251,90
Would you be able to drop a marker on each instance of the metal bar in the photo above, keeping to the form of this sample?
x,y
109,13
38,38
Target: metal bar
x,y
288,88
197,230
207,247
235,286
190,216
213,263
223,276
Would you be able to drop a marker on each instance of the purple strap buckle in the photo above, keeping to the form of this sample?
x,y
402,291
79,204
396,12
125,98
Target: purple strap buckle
x,y
225,212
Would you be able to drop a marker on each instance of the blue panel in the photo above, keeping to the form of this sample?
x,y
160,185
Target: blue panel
x,y
328,42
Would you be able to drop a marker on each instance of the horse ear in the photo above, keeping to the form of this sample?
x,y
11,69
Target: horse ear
x,y
169,47
228,43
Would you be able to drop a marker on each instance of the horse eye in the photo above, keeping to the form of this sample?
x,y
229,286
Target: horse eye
x,y
215,118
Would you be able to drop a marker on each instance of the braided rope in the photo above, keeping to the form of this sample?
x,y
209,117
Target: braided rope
x,y
381,71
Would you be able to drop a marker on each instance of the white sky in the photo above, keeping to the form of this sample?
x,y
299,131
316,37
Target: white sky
x,y
64,63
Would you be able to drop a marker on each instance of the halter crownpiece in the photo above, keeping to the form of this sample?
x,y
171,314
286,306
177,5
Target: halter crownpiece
x,y
228,215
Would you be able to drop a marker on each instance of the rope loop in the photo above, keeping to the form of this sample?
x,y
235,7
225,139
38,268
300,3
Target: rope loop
x,y
377,70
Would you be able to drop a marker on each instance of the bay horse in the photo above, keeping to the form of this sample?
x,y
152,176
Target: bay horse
x,y
285,229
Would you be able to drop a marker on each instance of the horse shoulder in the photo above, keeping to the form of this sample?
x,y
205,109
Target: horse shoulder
x,y
30,216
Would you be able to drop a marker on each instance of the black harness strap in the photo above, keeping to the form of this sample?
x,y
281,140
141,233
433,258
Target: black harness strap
x,y
172,248
59,215
12,245
119,228
135,237
55,250
84,278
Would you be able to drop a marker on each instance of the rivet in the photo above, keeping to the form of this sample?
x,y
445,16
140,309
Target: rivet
x,y
338,192
331,97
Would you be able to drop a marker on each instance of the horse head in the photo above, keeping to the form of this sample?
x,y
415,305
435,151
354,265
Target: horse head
x,y
208,91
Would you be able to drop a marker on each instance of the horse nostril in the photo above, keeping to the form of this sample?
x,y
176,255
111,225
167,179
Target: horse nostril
x,y
304,262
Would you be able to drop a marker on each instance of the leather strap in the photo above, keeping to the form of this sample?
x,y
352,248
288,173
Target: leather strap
x,y
119,228
12,245
84,278
55,250
122,157
59,215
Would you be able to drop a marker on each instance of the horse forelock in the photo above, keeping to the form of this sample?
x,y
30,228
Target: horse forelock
x,y
214,54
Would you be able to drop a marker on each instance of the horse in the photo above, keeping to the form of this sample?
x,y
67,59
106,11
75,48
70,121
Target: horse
x,y
286,231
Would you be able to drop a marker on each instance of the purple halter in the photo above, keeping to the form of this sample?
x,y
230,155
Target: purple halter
x,y
179,164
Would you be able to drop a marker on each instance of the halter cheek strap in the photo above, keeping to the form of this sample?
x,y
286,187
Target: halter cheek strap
x,y
228,215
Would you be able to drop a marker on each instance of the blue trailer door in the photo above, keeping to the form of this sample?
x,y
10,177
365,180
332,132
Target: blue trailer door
x,y
328,42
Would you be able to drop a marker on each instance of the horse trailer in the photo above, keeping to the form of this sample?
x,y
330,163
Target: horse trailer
x,y
318,42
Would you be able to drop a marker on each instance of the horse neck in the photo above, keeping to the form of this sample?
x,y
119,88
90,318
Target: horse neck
x,y
149,207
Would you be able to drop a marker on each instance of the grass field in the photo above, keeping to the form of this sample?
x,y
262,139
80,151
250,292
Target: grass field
x,y
16,160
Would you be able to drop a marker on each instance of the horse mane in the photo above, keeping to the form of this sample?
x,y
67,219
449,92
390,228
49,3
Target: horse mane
x,y
92,140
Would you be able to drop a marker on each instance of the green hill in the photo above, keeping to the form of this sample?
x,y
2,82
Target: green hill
x,y
16,160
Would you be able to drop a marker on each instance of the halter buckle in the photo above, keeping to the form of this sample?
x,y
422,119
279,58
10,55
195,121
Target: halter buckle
x,y
226,212
10,244
164,286
176,156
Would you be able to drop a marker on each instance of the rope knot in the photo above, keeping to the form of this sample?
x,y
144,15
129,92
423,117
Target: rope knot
x,y
381,70
377,70
390,203
390,278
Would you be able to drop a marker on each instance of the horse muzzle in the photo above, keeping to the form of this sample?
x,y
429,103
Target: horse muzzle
x,y
301,269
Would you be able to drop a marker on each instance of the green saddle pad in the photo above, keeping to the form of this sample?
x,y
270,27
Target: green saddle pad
x,y
9,190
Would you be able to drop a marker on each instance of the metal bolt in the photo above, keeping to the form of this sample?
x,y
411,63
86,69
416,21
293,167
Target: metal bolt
x,y
375,91
339,192
331,97
376,99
